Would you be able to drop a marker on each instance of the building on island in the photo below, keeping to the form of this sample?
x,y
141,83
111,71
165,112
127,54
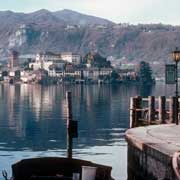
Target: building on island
x,y
95,73
48,56
71,58
45,60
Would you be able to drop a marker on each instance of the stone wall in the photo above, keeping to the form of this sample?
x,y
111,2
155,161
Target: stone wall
x,y
148,164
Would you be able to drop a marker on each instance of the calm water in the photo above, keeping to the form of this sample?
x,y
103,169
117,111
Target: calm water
x,y
33,122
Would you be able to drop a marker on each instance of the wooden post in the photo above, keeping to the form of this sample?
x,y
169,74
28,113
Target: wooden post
x,y
178,109
151,105
172,112
139,110
69,121
162,109
132,112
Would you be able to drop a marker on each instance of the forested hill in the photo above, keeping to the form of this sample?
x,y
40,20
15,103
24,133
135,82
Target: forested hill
x,y
71,31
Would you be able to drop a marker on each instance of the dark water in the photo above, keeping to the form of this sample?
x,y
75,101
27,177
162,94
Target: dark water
x,y
33,122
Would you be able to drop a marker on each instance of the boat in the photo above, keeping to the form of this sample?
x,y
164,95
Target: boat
x,y
56,168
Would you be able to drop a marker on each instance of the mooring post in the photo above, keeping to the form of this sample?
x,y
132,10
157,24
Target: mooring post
x,y
132,111
162,109
69,122
178,109
172,103
151,105
139,110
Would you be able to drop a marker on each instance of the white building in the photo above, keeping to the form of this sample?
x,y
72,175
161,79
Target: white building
x,y
12,73
66,56
27,76
45,60
40,65
76,59
70,57
35,65
94,73
48,56
56,72
59,72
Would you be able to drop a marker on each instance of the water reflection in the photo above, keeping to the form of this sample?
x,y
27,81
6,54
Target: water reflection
x,y
33,122
34,116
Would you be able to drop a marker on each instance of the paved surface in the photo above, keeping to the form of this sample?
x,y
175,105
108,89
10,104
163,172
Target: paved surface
x,y
163,138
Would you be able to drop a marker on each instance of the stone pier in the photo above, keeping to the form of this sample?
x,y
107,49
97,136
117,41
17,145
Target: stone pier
x,y
150,152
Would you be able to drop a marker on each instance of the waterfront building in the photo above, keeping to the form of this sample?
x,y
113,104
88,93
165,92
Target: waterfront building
x,y
95,73
76,59
70,70
6,79
26,76
35,65
128,66
55,71
105,71
11,73
40,64
39,74
45,60
63,71
127,74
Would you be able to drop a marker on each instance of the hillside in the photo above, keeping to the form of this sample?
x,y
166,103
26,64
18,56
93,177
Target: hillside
x,y
75,18
71,31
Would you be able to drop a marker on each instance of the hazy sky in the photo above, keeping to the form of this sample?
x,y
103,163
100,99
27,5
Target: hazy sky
x,y
120,11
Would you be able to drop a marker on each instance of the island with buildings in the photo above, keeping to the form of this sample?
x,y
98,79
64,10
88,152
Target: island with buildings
x,y
67,67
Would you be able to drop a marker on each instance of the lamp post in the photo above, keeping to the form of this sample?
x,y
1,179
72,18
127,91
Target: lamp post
x,y
176,58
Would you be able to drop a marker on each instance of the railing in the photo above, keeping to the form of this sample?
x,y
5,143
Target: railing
x,y
152,110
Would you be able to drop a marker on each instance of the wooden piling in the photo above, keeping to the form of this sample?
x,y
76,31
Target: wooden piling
x,y
135,111
162,109
69,121
139,110
132,111
172,103
177,111
151,111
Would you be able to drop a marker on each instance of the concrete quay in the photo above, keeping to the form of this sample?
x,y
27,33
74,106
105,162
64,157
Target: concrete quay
x,y
150,152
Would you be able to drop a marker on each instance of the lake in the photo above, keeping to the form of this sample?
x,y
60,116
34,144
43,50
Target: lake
x,y
33,122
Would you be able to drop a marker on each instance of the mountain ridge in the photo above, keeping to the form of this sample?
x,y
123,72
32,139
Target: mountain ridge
x,y
74,17
44,31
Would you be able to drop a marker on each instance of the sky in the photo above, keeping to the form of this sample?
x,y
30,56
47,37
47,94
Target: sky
x,y
119,11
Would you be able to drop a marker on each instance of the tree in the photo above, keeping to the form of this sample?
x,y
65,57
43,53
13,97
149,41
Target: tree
x,y
100,61
96,60
4,73
25,65
114,77
145,73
